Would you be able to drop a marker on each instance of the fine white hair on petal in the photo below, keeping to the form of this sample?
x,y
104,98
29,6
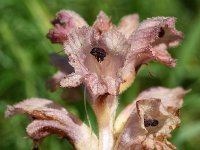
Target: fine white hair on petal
x,y
94,85
72,16
128,24
72,80
30,105
102,23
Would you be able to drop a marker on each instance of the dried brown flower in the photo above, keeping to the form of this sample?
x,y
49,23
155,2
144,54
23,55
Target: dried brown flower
x,y
149,120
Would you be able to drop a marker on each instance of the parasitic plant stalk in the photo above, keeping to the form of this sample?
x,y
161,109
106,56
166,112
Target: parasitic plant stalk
x,y
105,108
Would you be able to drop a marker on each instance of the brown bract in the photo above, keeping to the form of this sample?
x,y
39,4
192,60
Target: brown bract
x,y
149,120
50,118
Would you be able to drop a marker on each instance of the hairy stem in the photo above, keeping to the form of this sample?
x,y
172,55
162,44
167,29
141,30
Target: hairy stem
x,y
105,107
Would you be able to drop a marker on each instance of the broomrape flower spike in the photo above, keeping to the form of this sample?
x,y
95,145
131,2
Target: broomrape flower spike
x,y
105,59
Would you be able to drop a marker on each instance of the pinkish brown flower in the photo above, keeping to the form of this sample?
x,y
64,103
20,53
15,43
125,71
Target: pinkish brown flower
x,y
149,42
50,118
64,22
96,59
149,120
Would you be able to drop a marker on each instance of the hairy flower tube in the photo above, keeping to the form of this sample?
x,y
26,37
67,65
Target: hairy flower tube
x,y
104,59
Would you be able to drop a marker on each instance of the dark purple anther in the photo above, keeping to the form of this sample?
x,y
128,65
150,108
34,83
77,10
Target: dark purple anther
x,y
98,53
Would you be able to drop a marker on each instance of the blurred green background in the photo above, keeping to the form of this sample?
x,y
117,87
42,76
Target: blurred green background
x,y
24,62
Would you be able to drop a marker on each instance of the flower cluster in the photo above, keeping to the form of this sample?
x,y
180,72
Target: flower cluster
x,y
105,59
